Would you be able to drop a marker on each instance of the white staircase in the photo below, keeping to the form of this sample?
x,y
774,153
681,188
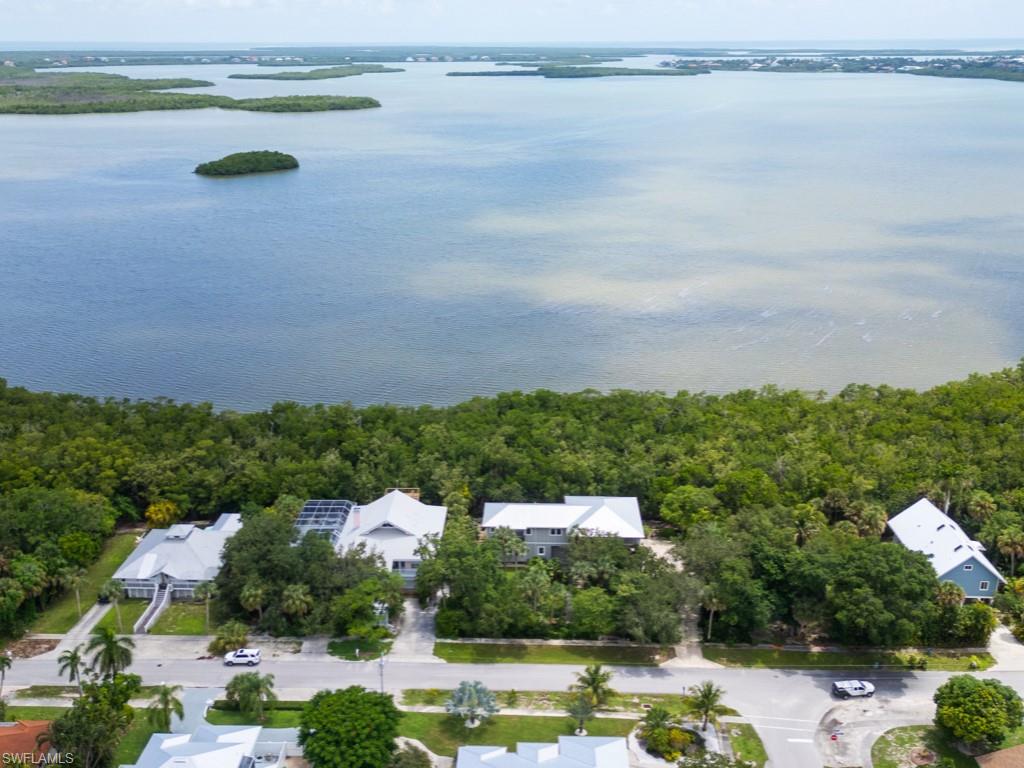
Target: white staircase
x,y
161,599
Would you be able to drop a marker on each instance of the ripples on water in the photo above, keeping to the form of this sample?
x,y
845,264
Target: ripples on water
x,y
480,235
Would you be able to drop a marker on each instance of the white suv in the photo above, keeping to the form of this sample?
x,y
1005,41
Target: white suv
x,y
248,656
848,688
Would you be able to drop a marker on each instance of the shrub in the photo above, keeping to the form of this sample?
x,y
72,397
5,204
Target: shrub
x,y
411,757
230,636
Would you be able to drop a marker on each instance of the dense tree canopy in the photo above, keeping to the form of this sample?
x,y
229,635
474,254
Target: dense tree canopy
x,y
771,471
349,728
980,713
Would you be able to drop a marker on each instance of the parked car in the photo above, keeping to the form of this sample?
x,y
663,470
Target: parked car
x,y
846,689
248,656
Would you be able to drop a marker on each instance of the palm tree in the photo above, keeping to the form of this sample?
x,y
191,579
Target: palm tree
x,y
706,701
253,597
206,591
113,590
656,719
807,521
252,691
111,654
592,682
473,701
73,579
71,661
5,664
949,595
296,600
580,710
165,704
1011,544
712,604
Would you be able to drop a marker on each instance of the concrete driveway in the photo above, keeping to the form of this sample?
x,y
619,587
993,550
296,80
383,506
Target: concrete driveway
x,y
416,635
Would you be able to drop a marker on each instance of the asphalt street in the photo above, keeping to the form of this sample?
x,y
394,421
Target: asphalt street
x,y
784,706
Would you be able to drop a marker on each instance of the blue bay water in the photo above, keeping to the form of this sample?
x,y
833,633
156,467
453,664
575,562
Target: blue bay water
x,y
477,235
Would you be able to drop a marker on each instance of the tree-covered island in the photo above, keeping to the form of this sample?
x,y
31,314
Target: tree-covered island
x,y
241,163
328,73
572,72
48,93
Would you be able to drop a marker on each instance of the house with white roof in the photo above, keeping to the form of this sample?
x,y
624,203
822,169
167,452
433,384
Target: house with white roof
x,y
924,528
546,527
179,557
393,526
212,746
569,752
169,563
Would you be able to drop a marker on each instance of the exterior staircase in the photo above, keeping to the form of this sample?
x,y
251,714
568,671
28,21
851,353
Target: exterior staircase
x,y
161,599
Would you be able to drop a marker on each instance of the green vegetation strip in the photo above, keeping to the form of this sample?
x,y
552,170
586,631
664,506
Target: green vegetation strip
x,y
514,653
181,619
583,72
329,73
275,718
56,691
240,163
554,701
62,614
746,744
35,713
130,610
358,650
47,93
950,661
444,734
893,748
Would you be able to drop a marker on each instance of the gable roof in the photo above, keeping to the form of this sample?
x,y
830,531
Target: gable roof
x,y
181,552
610,515
210,746
19,737
923,527
569,752
393,525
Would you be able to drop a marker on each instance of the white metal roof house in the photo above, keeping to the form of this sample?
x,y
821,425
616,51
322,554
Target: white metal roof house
x,y
179,557
569,752
212,746
393,526
546,527
923,527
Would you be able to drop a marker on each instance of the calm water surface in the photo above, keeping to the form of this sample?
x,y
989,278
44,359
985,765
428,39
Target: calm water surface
x,y
480,235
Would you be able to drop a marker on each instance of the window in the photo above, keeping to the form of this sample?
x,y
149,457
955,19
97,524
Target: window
x,y
558,531
529,531
542,550
983,586
969,567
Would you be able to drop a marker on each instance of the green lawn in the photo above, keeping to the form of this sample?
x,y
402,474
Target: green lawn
x,y
276,718
184,618
130,610
746,744
510,653
1016,737
893,749
62,614
444,734
942,661
56,691
135,740
35,713
368,649
553,701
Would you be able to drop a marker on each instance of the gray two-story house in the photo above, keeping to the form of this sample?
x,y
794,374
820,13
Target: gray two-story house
x,y
923,527
546,527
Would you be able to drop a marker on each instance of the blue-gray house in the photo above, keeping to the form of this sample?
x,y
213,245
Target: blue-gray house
x,y
924,528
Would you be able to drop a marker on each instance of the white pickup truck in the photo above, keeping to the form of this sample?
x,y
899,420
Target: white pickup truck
x,y
846,689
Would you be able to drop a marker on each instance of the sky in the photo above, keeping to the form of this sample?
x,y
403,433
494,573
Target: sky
x,y
504,21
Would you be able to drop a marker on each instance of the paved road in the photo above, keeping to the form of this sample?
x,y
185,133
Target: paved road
x,y
785,706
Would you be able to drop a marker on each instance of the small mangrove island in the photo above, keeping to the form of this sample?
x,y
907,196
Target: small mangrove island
x,y
51,93
329,73
241,163
558,72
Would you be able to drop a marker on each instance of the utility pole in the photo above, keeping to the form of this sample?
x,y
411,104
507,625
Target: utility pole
x,y
380,665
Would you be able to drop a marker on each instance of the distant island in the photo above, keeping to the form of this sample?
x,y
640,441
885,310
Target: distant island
x,y
27,92
330,73
560,71
241,163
